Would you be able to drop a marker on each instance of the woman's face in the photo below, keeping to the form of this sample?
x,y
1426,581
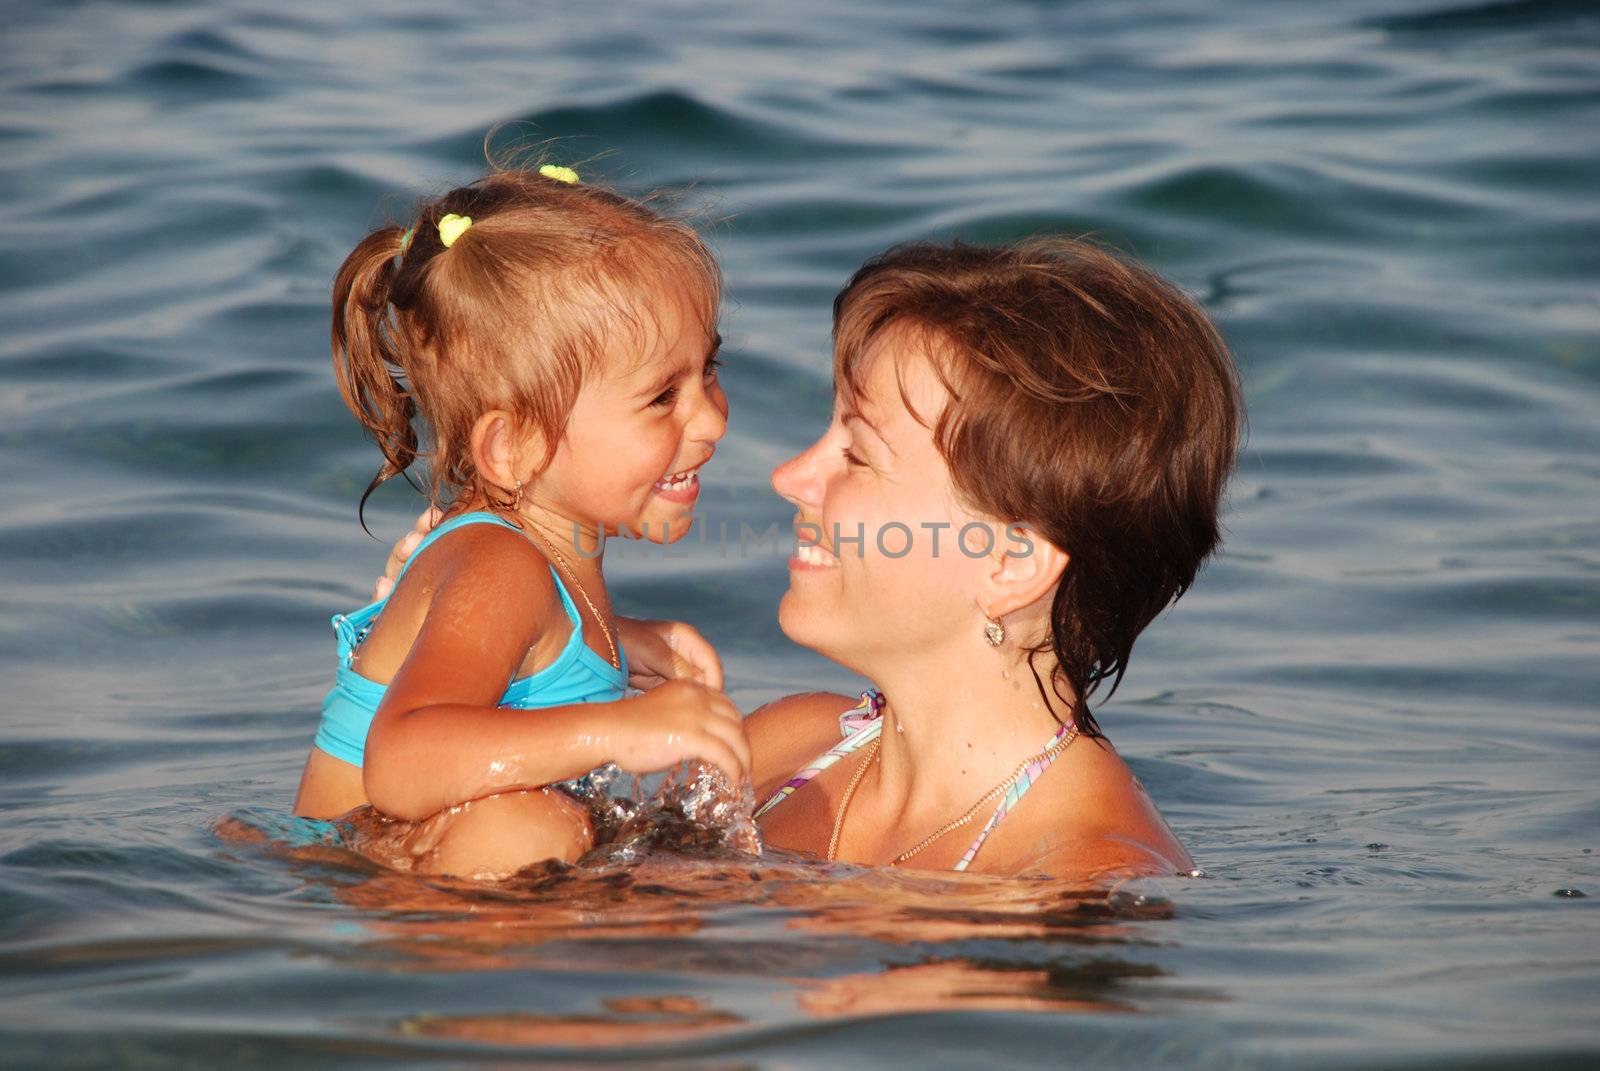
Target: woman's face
x,y
880,567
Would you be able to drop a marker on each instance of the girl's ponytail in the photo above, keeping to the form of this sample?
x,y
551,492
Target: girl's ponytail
x,y
366,354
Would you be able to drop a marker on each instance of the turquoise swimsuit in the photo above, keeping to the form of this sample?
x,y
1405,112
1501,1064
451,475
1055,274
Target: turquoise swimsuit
x,y
578,675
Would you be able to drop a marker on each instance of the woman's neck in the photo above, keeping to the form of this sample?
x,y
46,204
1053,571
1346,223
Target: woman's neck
x,y
957,726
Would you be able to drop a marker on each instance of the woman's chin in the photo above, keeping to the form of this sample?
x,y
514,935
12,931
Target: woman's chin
x,y
787,617
803,624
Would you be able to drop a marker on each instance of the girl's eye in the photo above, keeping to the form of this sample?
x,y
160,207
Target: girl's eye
x,y
712,366
850,458
665,398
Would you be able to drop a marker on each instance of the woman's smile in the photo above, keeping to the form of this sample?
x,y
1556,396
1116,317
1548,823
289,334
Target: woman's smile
x,y
811,555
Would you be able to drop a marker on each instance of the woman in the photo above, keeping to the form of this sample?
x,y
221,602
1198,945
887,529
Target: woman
x,y
1025,465
1066,422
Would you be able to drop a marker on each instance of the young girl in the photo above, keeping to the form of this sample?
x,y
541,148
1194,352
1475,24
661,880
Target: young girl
x,y
557,345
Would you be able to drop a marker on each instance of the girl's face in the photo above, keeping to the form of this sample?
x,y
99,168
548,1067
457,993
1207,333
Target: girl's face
x,y
640,431
882,568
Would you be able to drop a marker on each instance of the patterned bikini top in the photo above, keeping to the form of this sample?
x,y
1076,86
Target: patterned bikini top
x,y
862,724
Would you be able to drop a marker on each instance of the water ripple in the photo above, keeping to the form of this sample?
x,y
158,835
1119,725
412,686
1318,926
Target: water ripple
x,y
1371,720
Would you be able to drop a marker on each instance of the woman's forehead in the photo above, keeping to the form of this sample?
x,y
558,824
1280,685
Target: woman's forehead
x,y
896,386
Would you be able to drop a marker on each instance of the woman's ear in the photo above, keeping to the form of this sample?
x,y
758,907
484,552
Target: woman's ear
x,y
503,449
1027,568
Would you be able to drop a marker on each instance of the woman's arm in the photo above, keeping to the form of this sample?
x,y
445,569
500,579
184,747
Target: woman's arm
x,y
1104,860
787,733
439,739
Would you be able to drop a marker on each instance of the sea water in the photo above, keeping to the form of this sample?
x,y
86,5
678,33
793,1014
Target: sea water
x,y
1373,720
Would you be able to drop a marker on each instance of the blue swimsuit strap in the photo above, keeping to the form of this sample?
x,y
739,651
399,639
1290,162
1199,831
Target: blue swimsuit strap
x,y
444,528
485,517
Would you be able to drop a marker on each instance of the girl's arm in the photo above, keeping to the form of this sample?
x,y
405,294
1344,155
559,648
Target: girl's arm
x,y
439,739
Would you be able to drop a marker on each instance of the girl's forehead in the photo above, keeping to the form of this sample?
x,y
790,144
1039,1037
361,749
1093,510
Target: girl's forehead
x,y
645,333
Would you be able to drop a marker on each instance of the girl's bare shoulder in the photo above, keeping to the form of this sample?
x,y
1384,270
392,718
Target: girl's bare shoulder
x,y
486,568
483,578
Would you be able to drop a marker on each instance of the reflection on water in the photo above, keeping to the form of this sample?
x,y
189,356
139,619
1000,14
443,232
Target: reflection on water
x,y
1372,720
625,1021
920,941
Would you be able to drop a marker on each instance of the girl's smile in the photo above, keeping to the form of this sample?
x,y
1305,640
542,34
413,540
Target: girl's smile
x,y
682,487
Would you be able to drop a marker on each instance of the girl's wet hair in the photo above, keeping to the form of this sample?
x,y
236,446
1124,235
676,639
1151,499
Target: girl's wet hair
x,y
550,277
1090,400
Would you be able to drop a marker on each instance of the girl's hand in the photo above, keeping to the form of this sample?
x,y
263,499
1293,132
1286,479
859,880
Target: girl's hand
x,y
404,547
660,651
677,720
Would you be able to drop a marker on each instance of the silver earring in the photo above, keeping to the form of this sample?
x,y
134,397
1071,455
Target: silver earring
x,y
516,503
993,631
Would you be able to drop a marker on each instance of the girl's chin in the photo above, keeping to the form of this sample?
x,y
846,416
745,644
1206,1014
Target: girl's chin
x,y
663,528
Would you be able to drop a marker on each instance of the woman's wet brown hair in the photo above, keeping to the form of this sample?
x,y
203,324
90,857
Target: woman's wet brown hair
x,y
1090,400
514,315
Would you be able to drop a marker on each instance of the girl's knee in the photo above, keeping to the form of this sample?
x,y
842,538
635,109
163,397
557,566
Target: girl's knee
x,y
498,835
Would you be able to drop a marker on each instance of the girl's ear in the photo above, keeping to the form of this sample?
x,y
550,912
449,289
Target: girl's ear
x,y
503,449
1028,569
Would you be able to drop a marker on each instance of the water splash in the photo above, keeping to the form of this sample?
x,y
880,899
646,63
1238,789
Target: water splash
x,y
1140,898
694,810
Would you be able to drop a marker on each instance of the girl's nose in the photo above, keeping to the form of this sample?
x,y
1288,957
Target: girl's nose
x,y
800,478
710,420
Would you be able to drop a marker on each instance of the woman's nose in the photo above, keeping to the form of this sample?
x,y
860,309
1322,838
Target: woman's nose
x,y
800,478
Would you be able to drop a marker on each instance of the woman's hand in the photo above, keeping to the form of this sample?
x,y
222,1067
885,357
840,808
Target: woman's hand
x,y
677,720
661,651
404,547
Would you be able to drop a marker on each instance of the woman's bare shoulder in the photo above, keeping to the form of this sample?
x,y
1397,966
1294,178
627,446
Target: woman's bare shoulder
x,y
1096,824
789,732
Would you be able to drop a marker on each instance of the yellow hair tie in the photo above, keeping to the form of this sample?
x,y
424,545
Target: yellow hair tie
x,y
452,227
560,174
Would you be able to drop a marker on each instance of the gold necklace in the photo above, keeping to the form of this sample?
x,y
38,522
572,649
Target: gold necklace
x,y
850,794
950,827
561,560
